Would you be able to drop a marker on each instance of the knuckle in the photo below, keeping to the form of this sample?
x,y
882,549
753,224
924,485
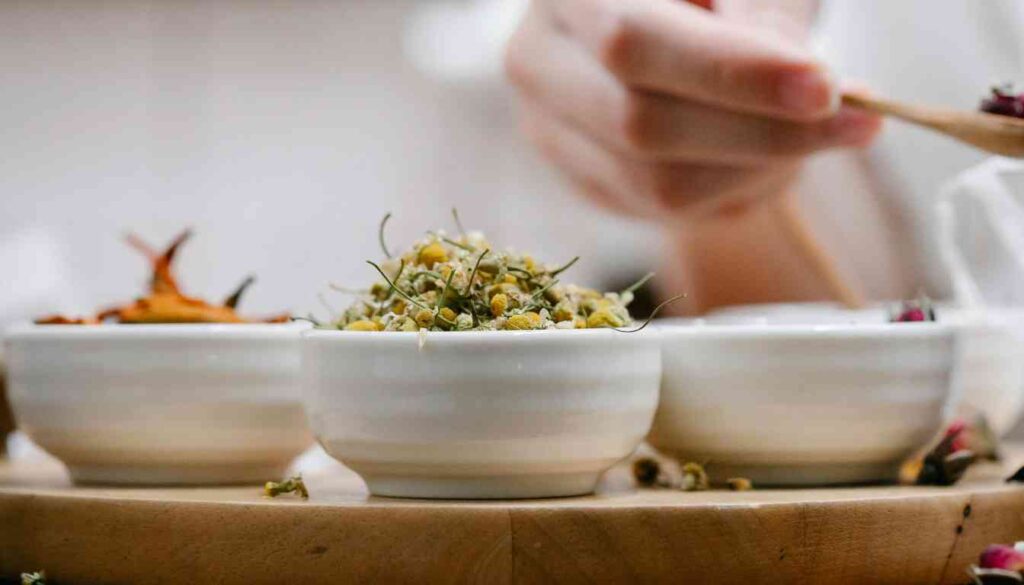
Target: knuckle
x,y
794,142
665,186
620,42
718,75
638,123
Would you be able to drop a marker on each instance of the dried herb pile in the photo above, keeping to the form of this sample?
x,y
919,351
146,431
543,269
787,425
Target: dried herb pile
x,y
166,303
463,283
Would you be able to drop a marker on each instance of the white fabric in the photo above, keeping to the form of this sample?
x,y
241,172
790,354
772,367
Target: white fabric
x,y
980,222
946,53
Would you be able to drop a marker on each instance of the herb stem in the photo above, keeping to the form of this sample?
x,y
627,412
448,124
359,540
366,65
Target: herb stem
x,y
565,267
458,223
395,288
380,235
636,285
472,275
653,314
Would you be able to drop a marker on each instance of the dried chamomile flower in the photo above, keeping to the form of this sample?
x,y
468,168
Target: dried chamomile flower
x,y
460,283
739,484
695,479
292,485
37,578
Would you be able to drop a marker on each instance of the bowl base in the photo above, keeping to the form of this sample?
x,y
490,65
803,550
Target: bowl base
x,y
483,487
808,474
225,474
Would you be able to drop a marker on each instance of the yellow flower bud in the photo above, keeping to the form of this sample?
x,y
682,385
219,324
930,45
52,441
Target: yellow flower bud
x,y
362,325
432,254
448,314
523,322
424,318
604,318
498,304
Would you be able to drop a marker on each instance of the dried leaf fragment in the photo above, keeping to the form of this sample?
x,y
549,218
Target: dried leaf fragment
x,y
739,484
646,471
695,479
943,465
292,485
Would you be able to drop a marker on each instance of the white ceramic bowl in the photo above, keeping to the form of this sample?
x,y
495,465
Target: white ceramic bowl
x,y
481,414
161,404
802,404
988,373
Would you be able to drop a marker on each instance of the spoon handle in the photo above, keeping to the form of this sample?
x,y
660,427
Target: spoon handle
x,y
930,117
1002,135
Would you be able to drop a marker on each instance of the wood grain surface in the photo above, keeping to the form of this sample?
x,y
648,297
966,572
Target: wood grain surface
x,y
883,534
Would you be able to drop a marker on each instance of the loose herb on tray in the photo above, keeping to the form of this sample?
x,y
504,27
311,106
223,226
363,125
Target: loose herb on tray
x,y
292,485
913,311
999,564
688,477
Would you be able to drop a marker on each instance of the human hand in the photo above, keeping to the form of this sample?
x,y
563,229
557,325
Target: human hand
x,y
662,109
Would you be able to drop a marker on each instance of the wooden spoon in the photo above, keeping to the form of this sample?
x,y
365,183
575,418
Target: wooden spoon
x,y
990,132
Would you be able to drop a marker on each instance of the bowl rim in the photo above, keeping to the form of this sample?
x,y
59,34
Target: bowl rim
x,y
682,327
478,337
152,330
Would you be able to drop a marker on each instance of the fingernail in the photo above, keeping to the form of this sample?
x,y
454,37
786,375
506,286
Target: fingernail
x,y
853,127
809,92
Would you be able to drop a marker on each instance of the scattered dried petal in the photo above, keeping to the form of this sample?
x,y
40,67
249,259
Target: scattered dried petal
x,y
1002,556
913,311
942,465
739,484
695,479
294,485
646,471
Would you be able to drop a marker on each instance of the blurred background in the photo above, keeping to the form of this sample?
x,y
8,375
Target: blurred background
x,y
281,131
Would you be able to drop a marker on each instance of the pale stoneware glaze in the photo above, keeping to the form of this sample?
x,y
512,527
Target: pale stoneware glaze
x,y
802,404
988,366
481,414
161,404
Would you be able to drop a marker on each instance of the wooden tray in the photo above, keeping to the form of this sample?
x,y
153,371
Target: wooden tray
x,y
621,535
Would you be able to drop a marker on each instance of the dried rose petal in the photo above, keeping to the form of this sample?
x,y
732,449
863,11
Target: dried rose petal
x,y
958,430
915,311
944,465
910,316
1001,556
1004,102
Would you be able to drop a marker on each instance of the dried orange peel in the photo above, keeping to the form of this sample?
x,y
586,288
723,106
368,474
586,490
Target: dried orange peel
x,y
165,302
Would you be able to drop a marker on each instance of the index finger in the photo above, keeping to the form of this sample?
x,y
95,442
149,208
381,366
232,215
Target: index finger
x,y
683,50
